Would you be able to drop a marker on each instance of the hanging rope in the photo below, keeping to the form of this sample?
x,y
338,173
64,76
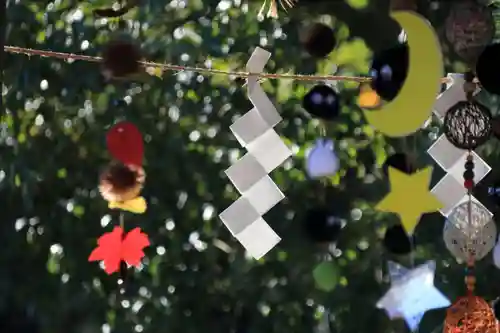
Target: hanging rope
x,y
201,70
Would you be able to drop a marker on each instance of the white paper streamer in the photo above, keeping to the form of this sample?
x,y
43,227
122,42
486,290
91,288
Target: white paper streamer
x,y
266,151
450,190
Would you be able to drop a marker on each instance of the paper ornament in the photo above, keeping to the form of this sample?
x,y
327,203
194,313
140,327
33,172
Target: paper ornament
x,y
121,186
124,142
409,197
322,160
412,293
113,248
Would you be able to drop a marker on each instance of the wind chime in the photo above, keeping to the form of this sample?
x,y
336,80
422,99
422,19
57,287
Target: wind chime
x,y
469,231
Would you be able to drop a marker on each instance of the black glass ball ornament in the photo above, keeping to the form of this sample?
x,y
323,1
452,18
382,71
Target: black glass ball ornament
x,y
322,102
396,241
319,40
495,127
496,308
467,125
399,161
488,69
321,226
388,71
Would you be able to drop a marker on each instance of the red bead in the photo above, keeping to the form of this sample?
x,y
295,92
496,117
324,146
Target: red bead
x,y
469,184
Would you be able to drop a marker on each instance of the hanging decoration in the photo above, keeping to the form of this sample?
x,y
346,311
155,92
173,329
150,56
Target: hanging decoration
x,y
121,184
404,187
321,225
412,293
368,98
496,254
457,240
467,125
396,240
121,59
125,144
450,189
322,160
469,28
474,238
319,40
409,196
401,162
407,112
495,127
488,69
322,102
496,309
122,181
470,313
266,151
389,70
115,247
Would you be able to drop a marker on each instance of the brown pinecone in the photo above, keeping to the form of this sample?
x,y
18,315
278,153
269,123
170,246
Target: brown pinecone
x,y
120,59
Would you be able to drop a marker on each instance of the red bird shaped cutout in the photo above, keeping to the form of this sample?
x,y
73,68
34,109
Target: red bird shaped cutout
x,y
112,248
124,141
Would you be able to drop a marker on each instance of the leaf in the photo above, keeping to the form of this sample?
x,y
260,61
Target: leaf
x,y
132,246
354,53
357,4
137,205
112,250
326,276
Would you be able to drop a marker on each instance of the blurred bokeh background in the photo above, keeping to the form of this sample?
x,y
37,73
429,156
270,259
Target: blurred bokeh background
x,y
196,277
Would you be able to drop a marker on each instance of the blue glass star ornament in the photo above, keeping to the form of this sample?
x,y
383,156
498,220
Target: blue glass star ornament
x,y
412,293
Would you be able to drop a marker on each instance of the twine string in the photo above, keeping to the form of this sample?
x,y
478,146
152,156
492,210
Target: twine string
x,y
201,70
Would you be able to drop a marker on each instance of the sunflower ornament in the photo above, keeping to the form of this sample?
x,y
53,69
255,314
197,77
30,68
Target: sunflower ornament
x,y
121,182
120,185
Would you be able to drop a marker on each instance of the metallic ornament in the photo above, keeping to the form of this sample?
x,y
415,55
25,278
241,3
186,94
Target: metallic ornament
x,y
462,246
467,125
470,314
478,219
469,28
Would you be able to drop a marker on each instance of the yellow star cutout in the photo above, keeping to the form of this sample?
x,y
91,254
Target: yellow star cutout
x,y
409,197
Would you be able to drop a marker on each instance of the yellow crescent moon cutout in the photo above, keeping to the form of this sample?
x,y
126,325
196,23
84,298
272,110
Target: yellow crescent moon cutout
x,y
413,106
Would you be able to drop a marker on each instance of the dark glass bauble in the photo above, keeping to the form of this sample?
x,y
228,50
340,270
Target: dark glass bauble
x,y
388,71
488,69
120,59
495,127
322,102
496,309
399,161
396,241
319,40
321,226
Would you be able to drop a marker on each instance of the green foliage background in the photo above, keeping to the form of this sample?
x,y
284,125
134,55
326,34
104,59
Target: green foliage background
x,y
196,277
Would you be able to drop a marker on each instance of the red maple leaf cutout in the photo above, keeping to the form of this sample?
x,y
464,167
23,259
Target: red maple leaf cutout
x,y
112,249
125,144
